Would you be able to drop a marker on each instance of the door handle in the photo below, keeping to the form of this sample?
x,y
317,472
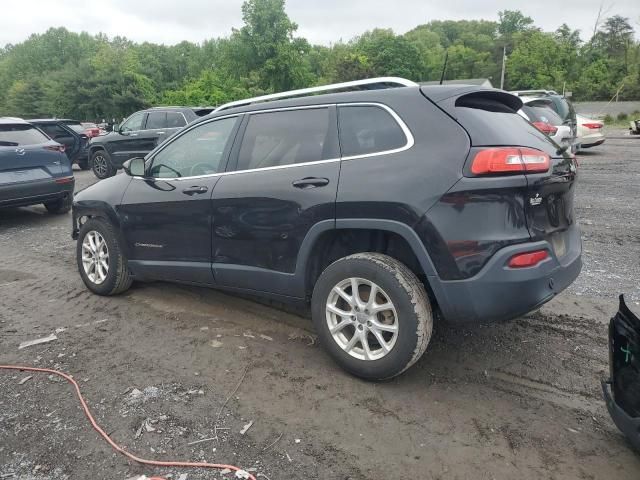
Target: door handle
x,y
160,133
310,182
196,189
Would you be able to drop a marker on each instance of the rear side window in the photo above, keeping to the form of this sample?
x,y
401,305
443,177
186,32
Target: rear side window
x,y
285,138
175,120
368,129
14,135
562,108
156,120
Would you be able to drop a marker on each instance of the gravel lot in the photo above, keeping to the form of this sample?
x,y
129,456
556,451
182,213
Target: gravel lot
x,y
516,400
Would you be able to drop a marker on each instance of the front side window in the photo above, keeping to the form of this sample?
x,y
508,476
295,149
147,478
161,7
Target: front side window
x,y
286,137
198,152
156,120
133,123
366,129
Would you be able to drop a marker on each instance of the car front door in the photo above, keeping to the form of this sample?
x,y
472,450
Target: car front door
x,y
281,181
127,142
166,215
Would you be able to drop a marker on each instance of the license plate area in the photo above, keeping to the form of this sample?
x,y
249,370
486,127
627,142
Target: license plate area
x,y
20,176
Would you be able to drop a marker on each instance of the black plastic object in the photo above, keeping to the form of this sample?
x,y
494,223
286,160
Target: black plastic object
x,y
622,391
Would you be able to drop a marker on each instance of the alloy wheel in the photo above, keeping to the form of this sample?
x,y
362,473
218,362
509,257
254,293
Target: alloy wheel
x,y
362,319
95,257
100,165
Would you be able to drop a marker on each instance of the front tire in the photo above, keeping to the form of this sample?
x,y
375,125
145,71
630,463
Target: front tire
x,y
101,165
101,262
384,328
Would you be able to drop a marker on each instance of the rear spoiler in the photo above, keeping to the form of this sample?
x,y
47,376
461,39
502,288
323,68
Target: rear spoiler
x,y
491,99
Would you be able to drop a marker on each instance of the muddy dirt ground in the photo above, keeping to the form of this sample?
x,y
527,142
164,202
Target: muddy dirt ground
x,y
517,400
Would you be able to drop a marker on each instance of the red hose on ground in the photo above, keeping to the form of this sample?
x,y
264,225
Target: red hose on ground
x,y
113,444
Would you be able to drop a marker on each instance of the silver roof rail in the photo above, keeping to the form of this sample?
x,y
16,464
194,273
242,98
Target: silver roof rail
x,y
530,92
396,81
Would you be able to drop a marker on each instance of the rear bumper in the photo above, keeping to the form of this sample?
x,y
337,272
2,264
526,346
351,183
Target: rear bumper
x,y
31,193
499,293
592,140
628,425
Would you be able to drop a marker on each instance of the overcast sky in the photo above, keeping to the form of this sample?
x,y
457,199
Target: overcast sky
x,y
320,21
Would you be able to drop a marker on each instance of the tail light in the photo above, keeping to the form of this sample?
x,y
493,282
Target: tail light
x,y
510,160
55,148
63,180
545,127
592,126
529,259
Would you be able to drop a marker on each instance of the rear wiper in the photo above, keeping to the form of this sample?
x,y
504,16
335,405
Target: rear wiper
x,y
8,144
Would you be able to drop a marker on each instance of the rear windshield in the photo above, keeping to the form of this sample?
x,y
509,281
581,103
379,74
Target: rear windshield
x,y
491,122
14,135
542,113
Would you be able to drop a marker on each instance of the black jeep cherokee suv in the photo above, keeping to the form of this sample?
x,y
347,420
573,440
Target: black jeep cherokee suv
x,y
138,135
382,208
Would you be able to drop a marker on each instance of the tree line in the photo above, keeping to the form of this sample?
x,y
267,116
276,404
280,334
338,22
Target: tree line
x,y
78,75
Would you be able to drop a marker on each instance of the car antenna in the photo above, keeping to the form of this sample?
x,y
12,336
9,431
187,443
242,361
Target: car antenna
x,y
444,67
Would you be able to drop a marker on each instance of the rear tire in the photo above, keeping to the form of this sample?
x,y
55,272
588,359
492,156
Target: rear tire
x,y
60,206
396,325
101,262
101,165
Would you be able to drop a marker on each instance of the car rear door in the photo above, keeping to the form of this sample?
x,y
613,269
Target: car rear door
x,y
281,182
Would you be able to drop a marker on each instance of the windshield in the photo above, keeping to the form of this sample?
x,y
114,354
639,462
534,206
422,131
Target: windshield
x,y
14,135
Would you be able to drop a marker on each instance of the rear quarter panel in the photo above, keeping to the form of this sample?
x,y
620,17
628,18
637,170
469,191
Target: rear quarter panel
x,y
403,186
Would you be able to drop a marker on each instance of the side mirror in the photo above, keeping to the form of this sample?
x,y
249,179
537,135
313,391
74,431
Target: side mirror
x,y
134,167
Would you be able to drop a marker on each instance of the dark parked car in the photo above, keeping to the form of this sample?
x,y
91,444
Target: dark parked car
x,y
137,136
69,133
33,168
381,208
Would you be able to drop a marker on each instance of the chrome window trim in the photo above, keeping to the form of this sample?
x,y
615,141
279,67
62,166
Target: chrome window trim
x,y
403,126
396,117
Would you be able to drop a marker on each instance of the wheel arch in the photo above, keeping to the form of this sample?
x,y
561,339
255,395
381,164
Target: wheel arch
x,y
326,242
101,211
